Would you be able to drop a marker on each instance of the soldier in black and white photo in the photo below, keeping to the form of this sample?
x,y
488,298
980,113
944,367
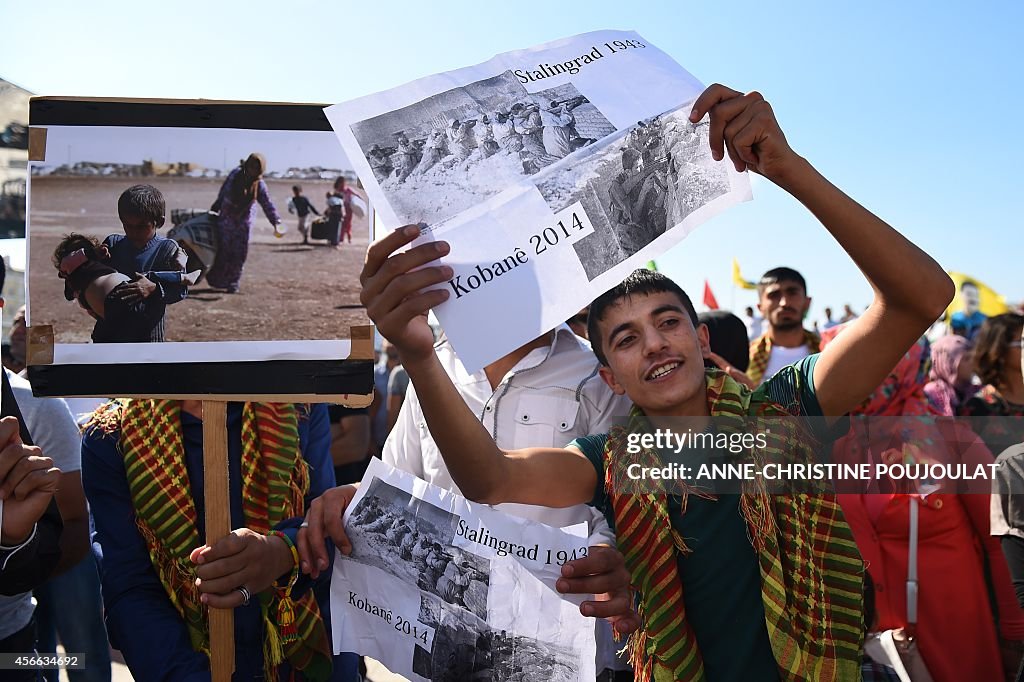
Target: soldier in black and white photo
x,y
380,162
435,149
504,128
485,137
463,139
531,127
405,157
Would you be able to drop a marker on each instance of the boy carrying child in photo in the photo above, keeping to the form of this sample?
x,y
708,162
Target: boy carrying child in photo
x,y
84,265
128,281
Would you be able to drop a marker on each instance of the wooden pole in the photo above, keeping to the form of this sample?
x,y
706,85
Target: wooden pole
x,y
218,525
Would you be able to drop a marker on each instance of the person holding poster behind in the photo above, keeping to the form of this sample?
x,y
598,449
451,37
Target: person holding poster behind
x,y
736,624
142,465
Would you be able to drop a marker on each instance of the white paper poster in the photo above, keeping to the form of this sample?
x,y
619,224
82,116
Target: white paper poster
x,y
439,588
553,172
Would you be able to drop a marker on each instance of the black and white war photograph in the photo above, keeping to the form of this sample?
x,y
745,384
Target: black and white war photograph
x,y
466,648
443,154
411,539
140,234
637,186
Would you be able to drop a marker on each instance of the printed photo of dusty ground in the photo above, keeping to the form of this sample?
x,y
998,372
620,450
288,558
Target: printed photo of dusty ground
x,y
289,291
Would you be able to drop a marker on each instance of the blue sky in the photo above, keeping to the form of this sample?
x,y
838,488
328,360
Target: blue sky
x,y
912,108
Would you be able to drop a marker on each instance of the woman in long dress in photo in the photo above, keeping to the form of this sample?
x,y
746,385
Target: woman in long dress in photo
x,y
236,205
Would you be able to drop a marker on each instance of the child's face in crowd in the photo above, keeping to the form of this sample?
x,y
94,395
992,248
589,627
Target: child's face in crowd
x,y
138,229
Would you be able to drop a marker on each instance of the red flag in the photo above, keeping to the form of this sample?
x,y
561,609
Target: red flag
x,y
709,298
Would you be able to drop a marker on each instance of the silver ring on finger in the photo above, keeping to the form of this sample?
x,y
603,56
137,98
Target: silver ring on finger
x,y
246,595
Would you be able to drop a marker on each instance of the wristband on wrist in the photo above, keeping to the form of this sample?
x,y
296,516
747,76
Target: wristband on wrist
x,y
293,575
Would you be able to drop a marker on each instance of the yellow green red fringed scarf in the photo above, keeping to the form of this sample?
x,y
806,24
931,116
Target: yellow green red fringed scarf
x,y
275,479
811,571
761,350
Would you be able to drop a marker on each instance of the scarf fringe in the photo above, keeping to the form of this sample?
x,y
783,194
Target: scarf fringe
x,y
679,542
642,664
273,647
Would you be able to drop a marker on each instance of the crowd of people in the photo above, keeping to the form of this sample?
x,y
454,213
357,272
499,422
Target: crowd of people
x,y
738,585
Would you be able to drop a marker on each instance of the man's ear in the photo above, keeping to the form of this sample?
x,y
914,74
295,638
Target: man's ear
x,y
760,309
807,306
104,252
608,376
704,339
160,223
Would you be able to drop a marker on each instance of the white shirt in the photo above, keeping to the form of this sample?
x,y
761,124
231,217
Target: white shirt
x,y
754,327
780,357
550,397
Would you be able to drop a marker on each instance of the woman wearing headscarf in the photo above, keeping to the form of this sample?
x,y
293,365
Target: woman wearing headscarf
x,y
236,205
950,375
997,351
957,633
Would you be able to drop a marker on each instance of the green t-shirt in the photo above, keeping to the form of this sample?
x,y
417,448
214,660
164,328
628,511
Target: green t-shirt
x,y
721,576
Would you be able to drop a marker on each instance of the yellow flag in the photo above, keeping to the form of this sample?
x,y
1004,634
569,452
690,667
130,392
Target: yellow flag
x,y
737,278
980,297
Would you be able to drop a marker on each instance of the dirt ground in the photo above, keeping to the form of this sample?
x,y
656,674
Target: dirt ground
x,y
289,291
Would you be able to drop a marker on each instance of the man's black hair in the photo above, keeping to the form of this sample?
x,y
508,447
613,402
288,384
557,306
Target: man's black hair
x,y
3,276
643,282
727,336
142,200
776,275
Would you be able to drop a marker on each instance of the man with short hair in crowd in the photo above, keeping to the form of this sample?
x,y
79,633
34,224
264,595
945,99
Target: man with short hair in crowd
x,y
783,302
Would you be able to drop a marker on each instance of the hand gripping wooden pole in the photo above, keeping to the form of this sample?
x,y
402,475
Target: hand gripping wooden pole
x,y
218,525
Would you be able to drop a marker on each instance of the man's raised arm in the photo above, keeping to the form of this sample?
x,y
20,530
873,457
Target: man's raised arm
x,y
911,289
395,301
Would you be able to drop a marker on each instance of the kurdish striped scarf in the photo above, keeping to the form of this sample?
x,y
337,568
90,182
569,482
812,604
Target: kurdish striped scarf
x,y
275,478
761,350
811,570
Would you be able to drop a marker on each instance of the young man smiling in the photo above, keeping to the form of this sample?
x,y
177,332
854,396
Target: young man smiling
x,y
774,591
